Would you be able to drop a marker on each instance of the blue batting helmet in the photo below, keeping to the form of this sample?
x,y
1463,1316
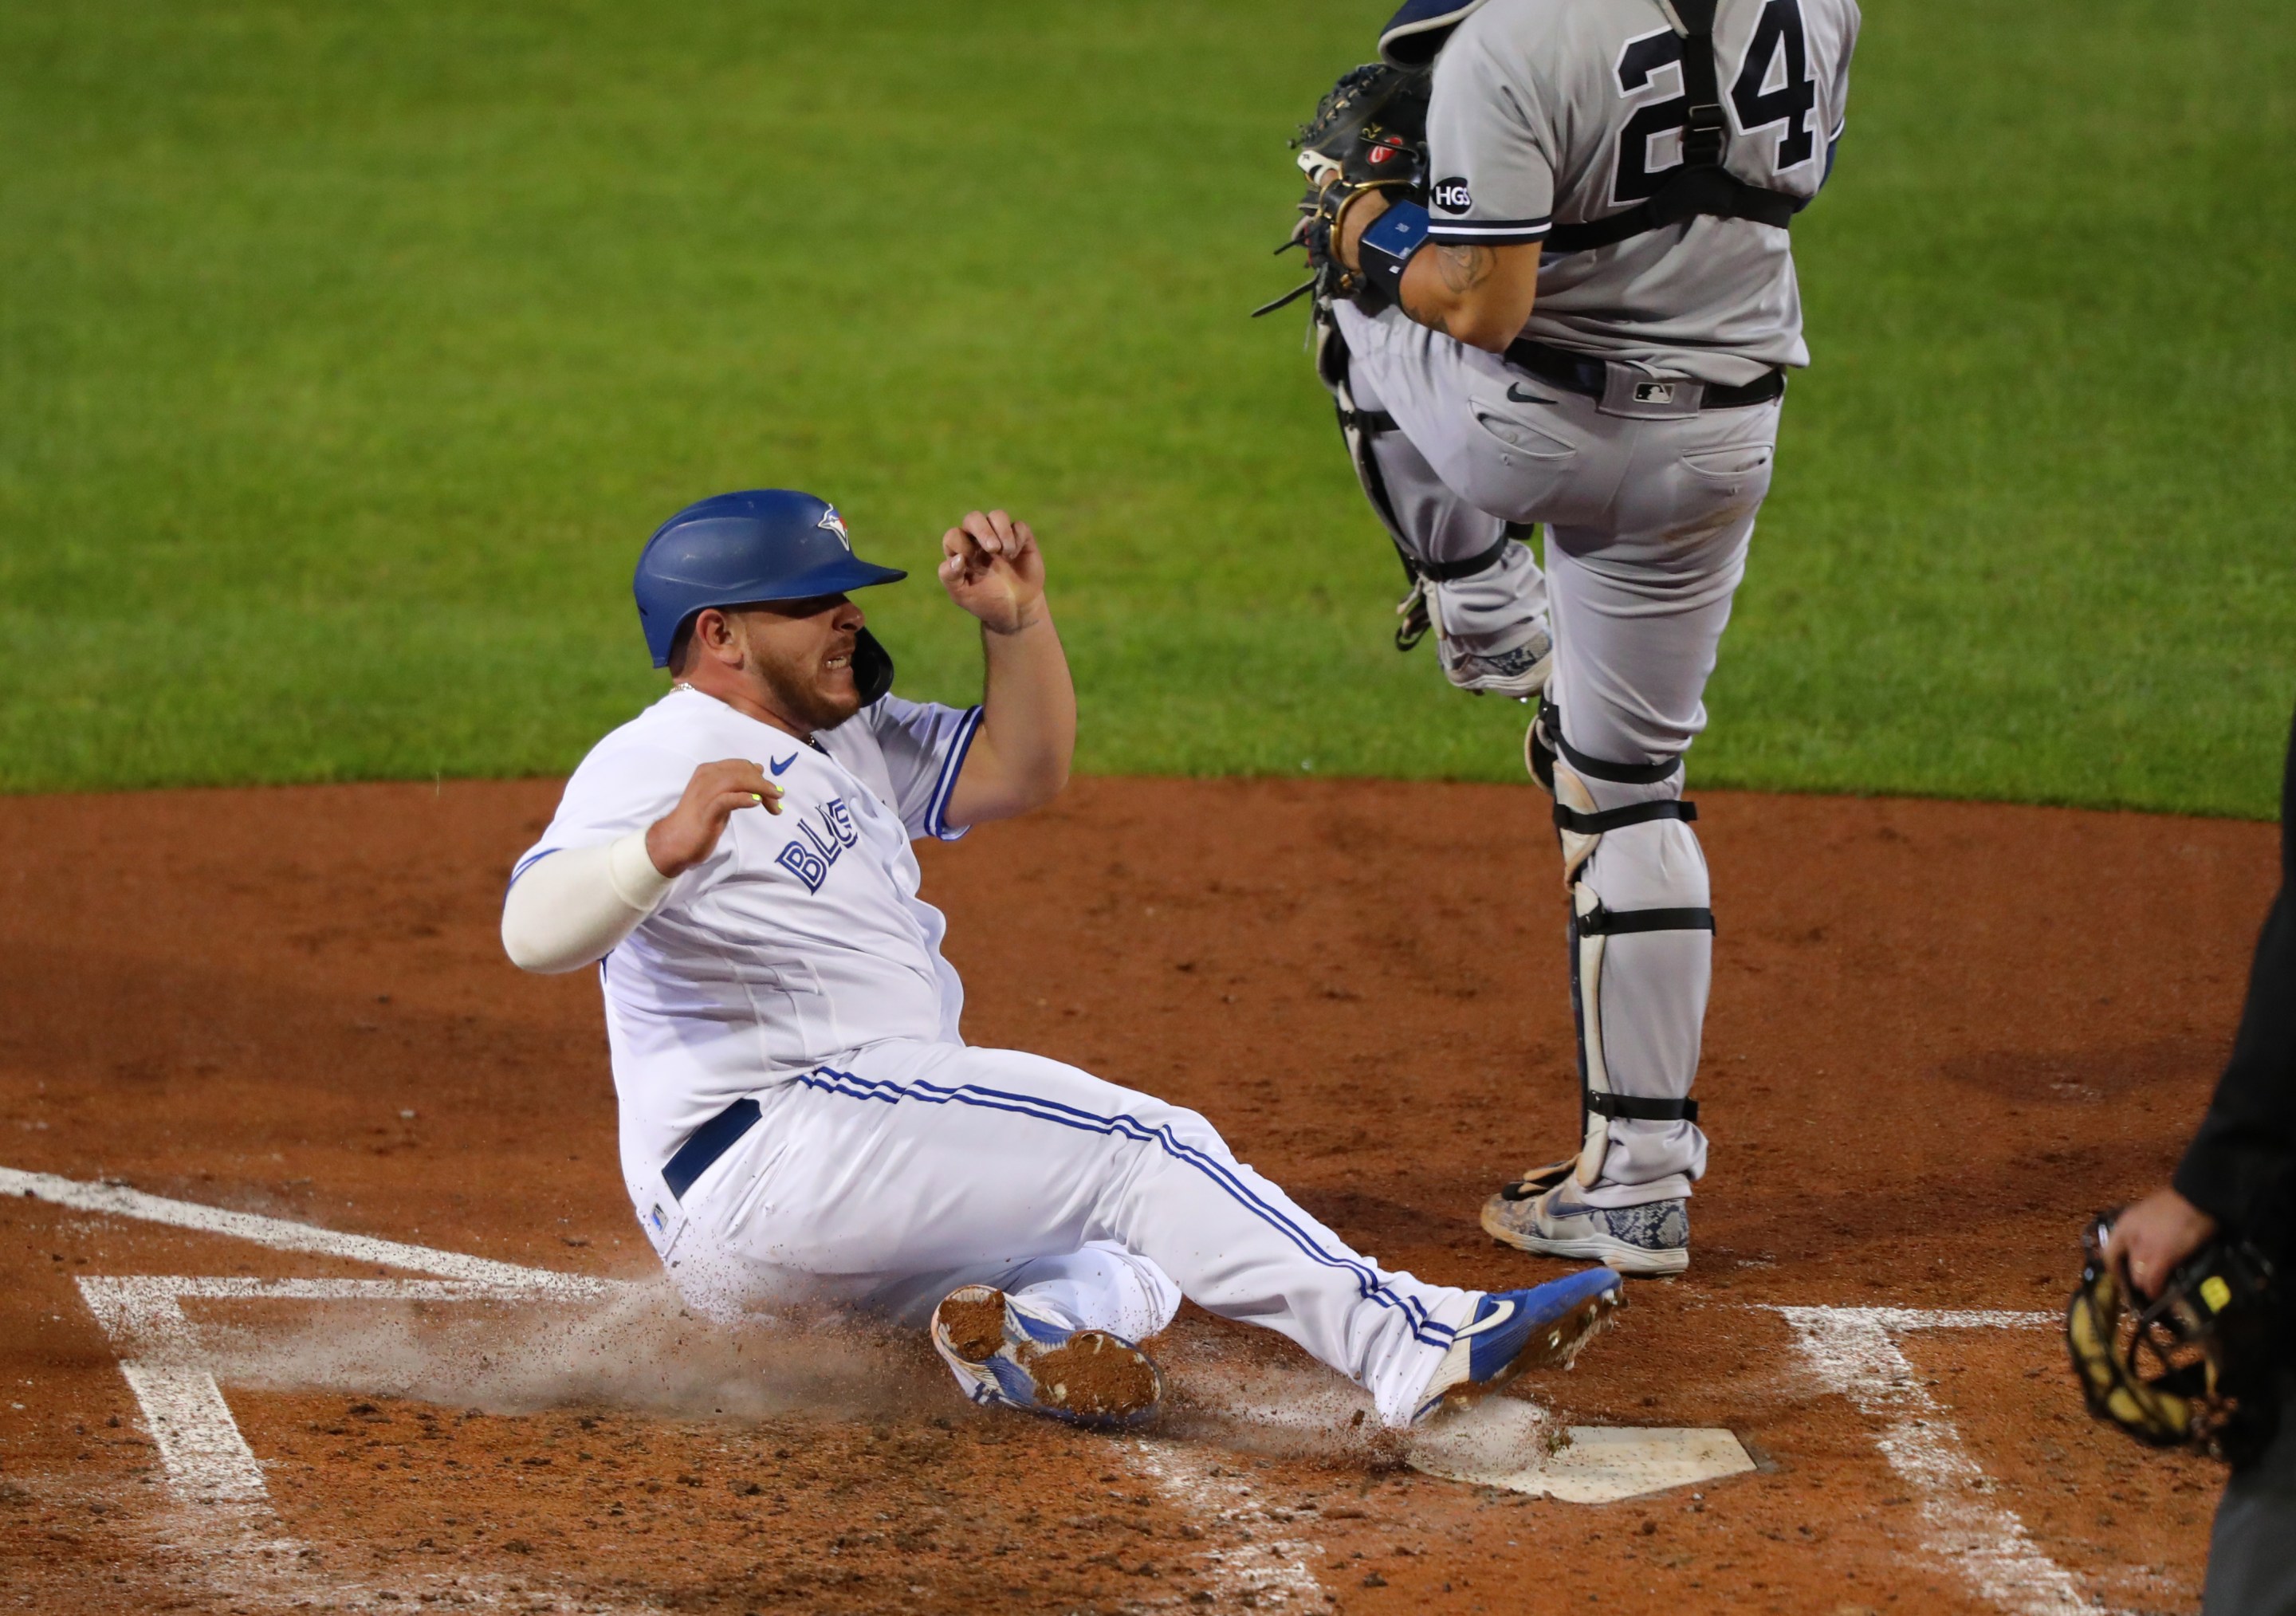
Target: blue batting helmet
x,y
734,549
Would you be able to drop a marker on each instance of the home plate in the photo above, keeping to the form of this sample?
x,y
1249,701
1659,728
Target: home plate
x,y
1512,1444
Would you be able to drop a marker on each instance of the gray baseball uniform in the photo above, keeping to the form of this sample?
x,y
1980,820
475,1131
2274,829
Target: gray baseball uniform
x,y
1560,111
1551,113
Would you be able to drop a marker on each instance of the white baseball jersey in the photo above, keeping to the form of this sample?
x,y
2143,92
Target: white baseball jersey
x,y
1564,112
801,938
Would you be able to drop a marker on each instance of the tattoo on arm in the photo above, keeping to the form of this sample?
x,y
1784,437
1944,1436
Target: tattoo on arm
x,y
1461,270
1464,269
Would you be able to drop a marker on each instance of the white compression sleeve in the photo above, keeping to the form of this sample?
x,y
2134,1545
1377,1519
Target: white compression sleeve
x,y
569,909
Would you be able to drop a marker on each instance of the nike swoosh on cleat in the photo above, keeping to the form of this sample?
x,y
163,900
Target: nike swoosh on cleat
x,y
1516,394
784,764
1492,1320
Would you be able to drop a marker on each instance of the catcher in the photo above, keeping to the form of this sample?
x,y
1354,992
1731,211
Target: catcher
x,y
1554,283
2204,1250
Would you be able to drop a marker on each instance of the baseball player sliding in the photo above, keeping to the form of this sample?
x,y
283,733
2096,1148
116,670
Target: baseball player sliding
x,y
800,1115
1555,285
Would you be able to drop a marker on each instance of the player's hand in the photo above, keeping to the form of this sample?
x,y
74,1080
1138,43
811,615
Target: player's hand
x,y
1362,212
991,567
2150,1238
688,833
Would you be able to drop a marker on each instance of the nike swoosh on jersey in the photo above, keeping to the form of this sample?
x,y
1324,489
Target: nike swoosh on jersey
x,y
1515,393
779,767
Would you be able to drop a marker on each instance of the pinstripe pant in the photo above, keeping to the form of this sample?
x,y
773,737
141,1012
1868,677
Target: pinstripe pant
x,y
913,1167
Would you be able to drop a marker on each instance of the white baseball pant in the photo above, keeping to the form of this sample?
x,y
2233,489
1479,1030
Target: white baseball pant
x,y
910,1168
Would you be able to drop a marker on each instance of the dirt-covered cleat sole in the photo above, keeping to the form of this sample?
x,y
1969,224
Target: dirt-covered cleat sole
x,y
1007,1354
1522,673
1515,1331
1537,1214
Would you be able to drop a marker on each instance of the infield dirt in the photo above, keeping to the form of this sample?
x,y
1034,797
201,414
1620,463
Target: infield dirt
x,y
1941,1034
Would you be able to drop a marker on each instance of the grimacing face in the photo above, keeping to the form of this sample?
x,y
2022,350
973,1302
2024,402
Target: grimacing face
x,y
800,653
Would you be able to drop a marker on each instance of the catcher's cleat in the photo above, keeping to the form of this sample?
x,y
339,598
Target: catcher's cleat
x,y
1539,1214
1004,1352
1522,673
1514,1330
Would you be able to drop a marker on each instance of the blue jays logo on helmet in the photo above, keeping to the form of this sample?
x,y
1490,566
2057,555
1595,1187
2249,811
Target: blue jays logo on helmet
x,y
835,523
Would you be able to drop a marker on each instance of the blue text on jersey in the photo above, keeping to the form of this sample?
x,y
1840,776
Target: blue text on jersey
x,y
810,853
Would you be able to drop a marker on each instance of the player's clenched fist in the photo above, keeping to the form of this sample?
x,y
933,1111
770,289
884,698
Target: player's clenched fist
x,y
992,568
685,836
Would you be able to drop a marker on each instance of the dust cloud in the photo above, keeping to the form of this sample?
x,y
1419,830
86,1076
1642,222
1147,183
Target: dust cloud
x,y
641,1351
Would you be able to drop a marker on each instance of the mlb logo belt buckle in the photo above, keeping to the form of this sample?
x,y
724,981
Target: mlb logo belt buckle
x,y
1632,391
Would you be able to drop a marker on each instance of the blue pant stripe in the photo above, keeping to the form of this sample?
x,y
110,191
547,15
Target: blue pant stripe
x,y
1210,1167
851,1086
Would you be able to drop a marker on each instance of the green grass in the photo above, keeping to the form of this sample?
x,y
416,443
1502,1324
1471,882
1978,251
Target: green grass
x,y
347,353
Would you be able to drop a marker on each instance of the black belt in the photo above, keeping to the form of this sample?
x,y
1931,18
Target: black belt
x,y
1579,374
706,1143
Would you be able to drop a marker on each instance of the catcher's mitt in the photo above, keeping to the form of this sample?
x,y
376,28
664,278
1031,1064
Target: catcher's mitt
x,y
1369,133
2191,1369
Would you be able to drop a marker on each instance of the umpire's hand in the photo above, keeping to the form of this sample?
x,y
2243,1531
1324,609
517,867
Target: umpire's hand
x,y
685,836
2150,1238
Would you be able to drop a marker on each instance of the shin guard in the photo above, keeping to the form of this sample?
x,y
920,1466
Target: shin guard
x,y
1641,936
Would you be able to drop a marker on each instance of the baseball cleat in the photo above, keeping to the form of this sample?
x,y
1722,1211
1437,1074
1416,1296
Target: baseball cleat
x,y
1006,1353
1520,673
1538,1213
1514,1330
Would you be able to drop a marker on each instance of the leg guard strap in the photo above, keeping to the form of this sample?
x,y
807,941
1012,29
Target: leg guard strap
x,y
1599,922
1618,774
1445,572
1367,422
1642,1111
1613,819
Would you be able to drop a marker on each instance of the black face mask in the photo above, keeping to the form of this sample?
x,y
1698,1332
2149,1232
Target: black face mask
x,y
873,666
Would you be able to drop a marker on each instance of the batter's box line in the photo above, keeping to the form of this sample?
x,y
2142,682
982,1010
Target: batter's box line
x,y
201,1450
206,1455
1855,1352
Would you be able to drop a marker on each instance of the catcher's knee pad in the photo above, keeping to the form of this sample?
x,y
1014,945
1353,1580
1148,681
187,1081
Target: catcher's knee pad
x,y
1641,941
1491,605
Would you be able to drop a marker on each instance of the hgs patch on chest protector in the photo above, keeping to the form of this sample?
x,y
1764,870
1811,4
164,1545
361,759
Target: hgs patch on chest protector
x,y
820,840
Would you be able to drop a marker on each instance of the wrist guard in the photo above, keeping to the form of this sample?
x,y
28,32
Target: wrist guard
x,y
1386,249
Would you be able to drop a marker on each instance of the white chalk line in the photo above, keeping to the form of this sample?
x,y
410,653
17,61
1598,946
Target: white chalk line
x,y
206,1456
281,1234
1274,1570
201,1449
1855,1352
227,1518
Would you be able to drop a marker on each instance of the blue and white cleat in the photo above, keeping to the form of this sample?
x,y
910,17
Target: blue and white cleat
x,y
1005,1353
1514,1330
